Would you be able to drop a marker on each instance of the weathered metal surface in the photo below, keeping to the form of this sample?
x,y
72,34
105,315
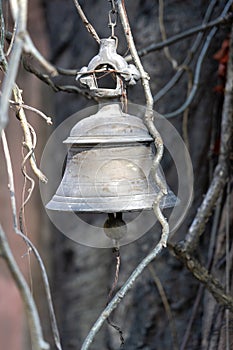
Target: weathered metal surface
x,y
108,166
109,125
108,58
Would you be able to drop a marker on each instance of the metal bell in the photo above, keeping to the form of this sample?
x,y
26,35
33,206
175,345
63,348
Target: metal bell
x,y
108,166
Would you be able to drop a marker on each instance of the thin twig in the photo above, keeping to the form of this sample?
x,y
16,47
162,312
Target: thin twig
x,y
148,119
221,171
38,342
32,313
12,70
186,111
10,177
12,40
166,306
30,48
164,35
23,165
189,57
204,211
35,251
33,109
27,135
67,72
185,34
192,318
87,24
200,291
28,45
2,27
220,177
121,294
202,275
55,87
197,74
23,225
193,91
227,315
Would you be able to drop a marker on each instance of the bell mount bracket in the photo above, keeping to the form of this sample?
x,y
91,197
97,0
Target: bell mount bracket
x,y
108,61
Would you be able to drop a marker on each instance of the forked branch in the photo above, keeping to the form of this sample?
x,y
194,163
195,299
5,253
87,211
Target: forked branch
x,y
184,249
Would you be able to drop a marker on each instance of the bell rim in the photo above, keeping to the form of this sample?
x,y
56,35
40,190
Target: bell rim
x,y
106,139
89,205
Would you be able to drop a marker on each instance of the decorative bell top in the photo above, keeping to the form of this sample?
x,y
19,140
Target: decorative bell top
x,y
108,60
109,125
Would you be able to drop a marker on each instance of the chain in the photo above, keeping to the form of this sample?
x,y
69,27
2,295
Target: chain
x,y
112,18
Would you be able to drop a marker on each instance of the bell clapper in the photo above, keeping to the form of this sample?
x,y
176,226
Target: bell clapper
x,y
115,228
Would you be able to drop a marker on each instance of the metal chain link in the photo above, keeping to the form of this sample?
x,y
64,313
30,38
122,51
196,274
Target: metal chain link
x,y
112,18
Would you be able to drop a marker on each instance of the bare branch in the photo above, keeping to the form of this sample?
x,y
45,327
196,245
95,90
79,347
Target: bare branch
x,y
31,310
188,329
202,274
164,35
13,63
30,48
38,342
186,111
200,291
27,134
220,177
196,77
180,36
28,45
35,110
198,68
121,294
47,291
189,57
34,250
148,119
221,171
228,264
87,24
68,72
12,40
2,27
204,211
65,88
166,306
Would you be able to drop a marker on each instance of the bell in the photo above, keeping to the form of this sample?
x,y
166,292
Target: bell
x,y
108,166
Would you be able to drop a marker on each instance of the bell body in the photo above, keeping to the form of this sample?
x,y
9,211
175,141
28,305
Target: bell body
x,y
108,166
